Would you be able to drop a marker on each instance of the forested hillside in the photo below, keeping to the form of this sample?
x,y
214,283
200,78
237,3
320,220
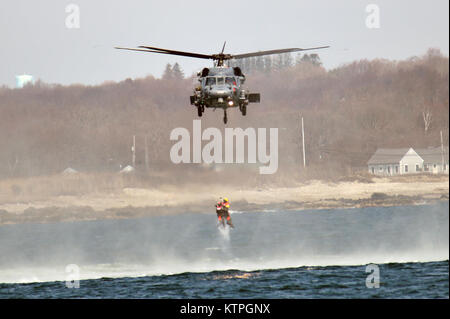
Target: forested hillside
x,y
348,112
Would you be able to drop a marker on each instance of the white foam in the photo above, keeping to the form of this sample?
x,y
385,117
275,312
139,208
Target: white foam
x,y
172,265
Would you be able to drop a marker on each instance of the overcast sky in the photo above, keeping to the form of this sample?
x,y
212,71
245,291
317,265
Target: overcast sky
x,y
36,39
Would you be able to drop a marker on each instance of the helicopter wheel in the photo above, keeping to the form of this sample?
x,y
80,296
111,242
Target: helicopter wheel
x,y
244,110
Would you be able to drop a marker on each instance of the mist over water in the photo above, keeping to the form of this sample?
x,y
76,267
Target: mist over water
x,y
193,243
225,240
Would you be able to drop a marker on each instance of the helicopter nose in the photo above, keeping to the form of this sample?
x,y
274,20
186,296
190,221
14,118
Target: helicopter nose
x,y
220,92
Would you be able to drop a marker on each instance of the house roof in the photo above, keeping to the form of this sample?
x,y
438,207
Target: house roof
x,y
433,155
69,170
388,156
127,169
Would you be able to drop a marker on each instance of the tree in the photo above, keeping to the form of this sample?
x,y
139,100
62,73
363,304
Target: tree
x,y
313,59
177,73
427,118
168,72
306,59
267,63
259,64
253,64
298,58
245,65
277,62
287,60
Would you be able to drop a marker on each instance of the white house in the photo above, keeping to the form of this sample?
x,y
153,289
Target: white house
x,y
69,171
395,162
127,169
434,160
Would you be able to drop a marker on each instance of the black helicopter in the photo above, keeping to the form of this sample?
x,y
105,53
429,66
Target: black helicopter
x,y
220,86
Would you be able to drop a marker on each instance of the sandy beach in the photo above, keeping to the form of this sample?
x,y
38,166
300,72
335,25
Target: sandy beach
x,y
200,198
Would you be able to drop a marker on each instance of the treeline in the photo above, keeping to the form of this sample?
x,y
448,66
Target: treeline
x,y
251,65
348,112
277,62
173,72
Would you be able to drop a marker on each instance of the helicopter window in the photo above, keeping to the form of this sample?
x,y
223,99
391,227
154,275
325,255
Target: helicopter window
x,y
210,80
220,80
230,80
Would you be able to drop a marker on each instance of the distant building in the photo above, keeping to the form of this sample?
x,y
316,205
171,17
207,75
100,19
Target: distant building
x,y
397,161
432,159
23,79
127,169
69,171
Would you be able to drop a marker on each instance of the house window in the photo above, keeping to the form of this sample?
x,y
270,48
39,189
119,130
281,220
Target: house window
x,y
396,169
389,169
417,168
373,170
425,167
406,168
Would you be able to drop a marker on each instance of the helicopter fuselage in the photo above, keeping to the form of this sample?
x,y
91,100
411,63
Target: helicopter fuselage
x,y
222,87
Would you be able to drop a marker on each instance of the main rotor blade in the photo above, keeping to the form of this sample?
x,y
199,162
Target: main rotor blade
x,y
133,49
223,48
269,52
181,53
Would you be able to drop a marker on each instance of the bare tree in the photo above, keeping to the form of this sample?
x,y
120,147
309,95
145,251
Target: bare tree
x,y
427,119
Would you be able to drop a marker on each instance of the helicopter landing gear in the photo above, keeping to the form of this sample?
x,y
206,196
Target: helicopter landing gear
x,y
200,110
225,118
243,109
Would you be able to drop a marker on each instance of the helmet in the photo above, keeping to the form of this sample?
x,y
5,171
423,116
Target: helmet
x,y
225,199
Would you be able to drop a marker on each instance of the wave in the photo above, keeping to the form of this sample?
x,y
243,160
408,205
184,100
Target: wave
x,y
174,267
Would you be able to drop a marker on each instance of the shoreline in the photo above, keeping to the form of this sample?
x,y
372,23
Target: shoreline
x,y
86,213
198,198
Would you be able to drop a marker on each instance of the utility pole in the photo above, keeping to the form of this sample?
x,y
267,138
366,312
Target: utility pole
x,y
442,152
303,142
133,150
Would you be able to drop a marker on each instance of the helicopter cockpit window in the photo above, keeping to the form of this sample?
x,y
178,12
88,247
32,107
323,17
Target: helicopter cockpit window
x,y
210,80
230,80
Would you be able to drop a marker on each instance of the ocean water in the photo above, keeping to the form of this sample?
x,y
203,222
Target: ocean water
x,y
377,252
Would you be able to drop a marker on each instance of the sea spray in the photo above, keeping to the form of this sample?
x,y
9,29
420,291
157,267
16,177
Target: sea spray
x,y
224,239
225,233
192,243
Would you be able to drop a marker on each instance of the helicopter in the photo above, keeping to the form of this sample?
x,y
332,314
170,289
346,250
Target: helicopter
x,y
221,86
